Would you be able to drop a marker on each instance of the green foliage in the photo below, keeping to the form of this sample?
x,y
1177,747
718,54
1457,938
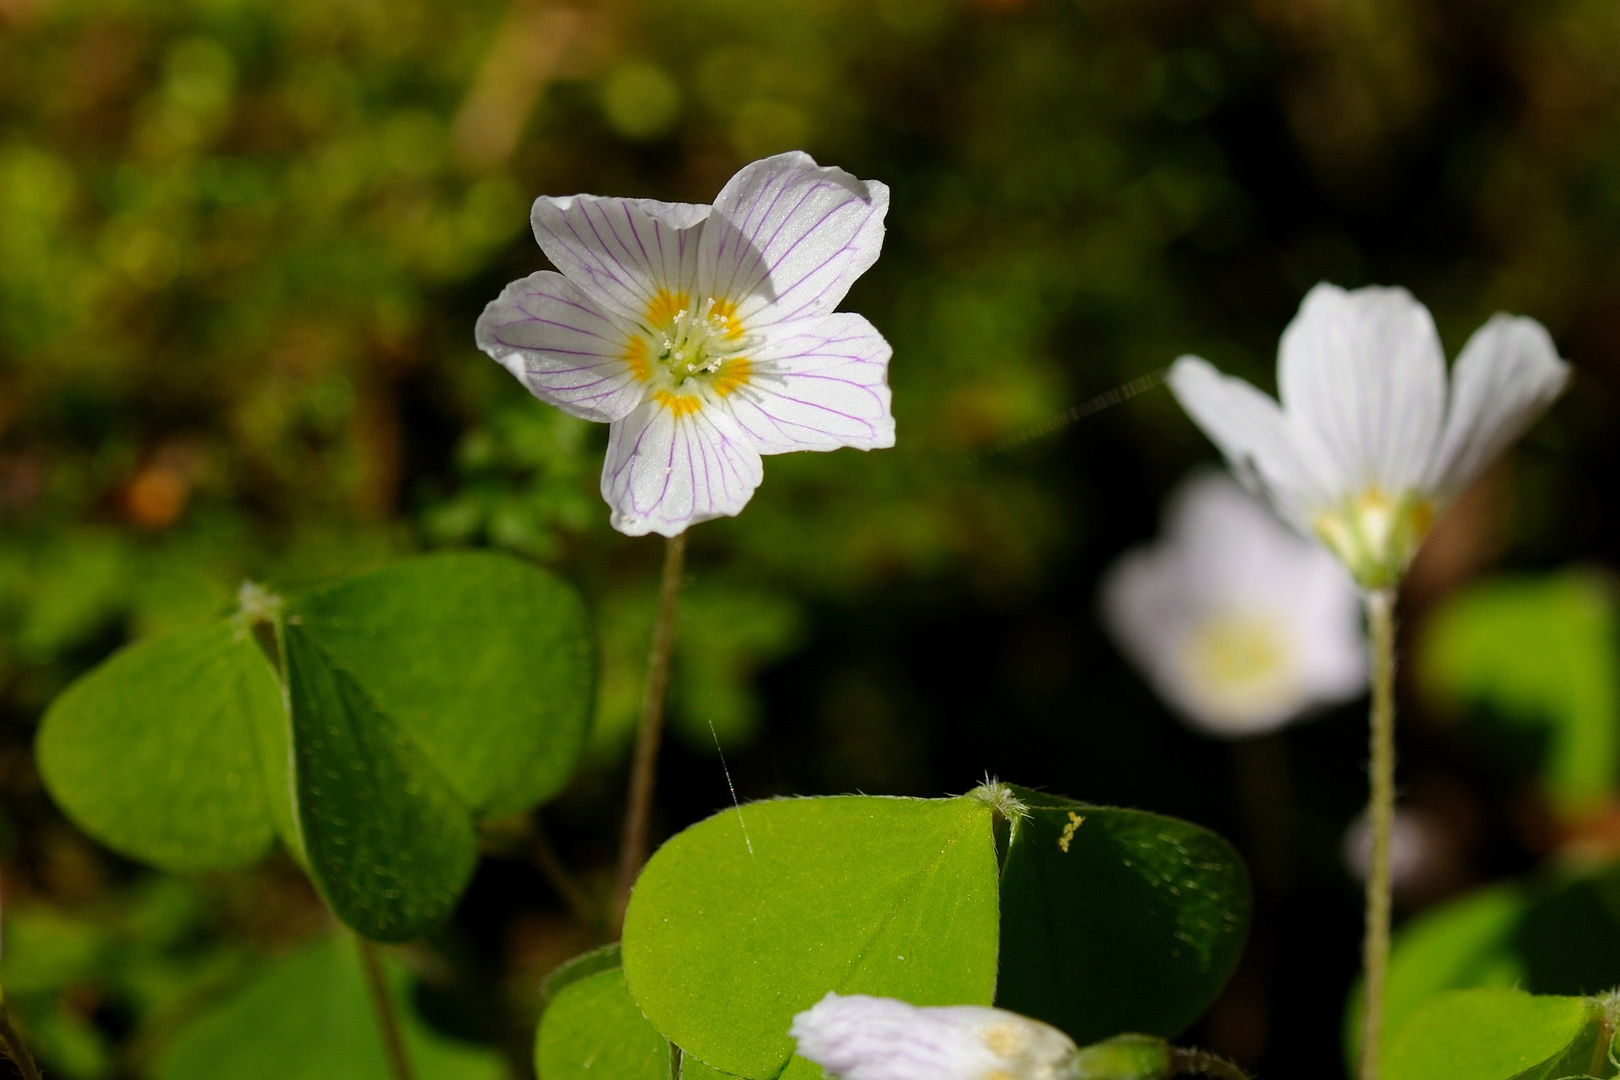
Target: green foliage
x,y
309,1016
1542,651
593,1028
1556,935
484,660
1465,944
155,752
147,950
385,838
751,916
418,696
1501,1034
1116,920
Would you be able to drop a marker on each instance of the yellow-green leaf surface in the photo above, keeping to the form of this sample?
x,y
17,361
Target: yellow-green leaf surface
x,y
156,752
1116,920
418,697
482,660
1465,944
749,917
1542,651
309,1017
593,1029
388,842
1500,1034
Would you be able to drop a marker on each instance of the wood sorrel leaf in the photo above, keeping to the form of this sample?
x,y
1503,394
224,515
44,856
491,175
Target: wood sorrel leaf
x,y
1499,1034
310,1017
389,843
751,916
155,752
419,696
1466,943
592,1028
1116,920
485,661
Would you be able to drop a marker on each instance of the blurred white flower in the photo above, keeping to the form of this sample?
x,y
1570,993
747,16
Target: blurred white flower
x,y
1368,445
1423,856
872,1038
1239,622
704,335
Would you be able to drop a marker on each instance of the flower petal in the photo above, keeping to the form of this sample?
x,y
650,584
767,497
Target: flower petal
x,y
816,384
563,347
1288,608
629,255
1362,378
788,237
676,461
872,1038
1506,376
1249,428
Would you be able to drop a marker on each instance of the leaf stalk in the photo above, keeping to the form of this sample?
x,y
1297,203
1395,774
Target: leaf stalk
x,y
399,1061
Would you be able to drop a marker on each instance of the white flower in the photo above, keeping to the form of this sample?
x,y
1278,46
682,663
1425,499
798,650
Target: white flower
x,y
1368,445
1239,622
872,1038
704,335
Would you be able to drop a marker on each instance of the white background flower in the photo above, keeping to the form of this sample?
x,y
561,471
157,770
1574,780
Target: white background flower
x,y
705,336
1368,445
871,1038
1240,623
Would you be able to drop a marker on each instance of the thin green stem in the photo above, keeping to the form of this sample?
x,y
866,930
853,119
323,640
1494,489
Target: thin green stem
x,y
1381,820
644,766
399,1062
1203,1063
11,1041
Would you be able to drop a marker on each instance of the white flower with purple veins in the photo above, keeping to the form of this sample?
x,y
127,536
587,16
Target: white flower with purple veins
x,y
872,1038
1240,623
705,335
1369,444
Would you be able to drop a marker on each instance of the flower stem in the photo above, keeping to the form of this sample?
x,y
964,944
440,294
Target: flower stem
x,y
399,1062
1381,819
1203,1063
644,766
11,1042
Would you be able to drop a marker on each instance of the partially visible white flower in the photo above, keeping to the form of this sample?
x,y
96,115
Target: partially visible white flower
x,y
872,1038
1239,622
1422,852
1369,444
705,335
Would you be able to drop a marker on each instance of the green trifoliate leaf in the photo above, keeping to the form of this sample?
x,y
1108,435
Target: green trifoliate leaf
x,y
483,660
592,1028
388,842
1116,920
1464,944
747,918
163,752
1501,1034
417,697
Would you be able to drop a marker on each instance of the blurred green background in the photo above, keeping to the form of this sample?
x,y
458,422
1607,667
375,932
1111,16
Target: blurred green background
x,y
243,244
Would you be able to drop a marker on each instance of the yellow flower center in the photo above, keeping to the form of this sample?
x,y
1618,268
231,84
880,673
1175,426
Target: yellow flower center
x,y
682,343
1243,665
1375,534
